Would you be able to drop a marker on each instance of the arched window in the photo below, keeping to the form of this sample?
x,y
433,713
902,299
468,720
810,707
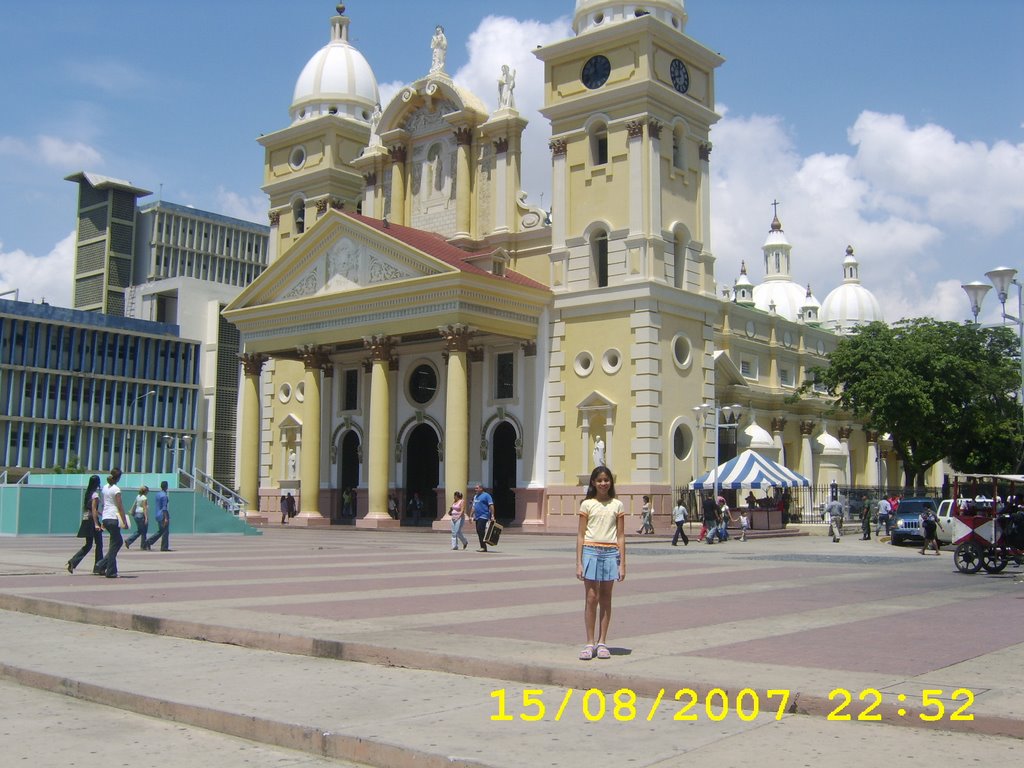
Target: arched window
x,y
678,157
299,212
599,257
679,258
599,144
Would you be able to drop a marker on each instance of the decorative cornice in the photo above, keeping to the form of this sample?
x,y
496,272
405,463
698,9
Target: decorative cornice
x,y
463,136
807,427
252,363
398,153
778,424
558,147
321,206
845,432
871,435
274,217
635,129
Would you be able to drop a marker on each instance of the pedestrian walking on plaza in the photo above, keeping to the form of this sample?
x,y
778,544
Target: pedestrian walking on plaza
x,y
287,508
114,520
140,511
834,512
744,524
724,518
710,512
90,529
884,515
646,524
483,512
679,515
600,558
162,515
865,518
414,509
929,529
457,512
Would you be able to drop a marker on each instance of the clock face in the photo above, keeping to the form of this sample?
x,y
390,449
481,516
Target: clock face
x,y
595,72
680,77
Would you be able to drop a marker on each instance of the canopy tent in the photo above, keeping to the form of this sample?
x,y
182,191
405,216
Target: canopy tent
x,y
750,470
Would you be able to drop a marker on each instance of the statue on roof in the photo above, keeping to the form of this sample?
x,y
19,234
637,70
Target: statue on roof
x,y
439,49
506,84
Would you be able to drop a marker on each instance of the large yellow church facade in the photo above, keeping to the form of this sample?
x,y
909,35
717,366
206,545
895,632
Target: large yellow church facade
x,y
421,328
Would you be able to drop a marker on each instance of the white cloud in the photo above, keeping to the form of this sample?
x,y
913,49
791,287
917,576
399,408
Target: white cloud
x,y
52,151
108,75
252,208
37,278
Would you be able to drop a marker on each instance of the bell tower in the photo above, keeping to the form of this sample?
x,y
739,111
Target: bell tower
x,y
631,103
308,165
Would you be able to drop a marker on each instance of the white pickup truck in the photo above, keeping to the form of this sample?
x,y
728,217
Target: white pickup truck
x,y
946,523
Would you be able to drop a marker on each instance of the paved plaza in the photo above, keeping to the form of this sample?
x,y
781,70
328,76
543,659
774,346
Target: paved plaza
x,y
342,647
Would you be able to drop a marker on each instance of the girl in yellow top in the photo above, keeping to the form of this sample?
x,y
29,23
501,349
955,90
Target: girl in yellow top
x,y
600,557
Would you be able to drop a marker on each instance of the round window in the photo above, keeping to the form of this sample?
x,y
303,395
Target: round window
x,y
284,393
300,391
423,384
584,364
682,351
297,159
612,361
787,339
751,329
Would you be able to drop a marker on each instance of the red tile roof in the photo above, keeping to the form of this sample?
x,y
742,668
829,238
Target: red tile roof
x,y
435,245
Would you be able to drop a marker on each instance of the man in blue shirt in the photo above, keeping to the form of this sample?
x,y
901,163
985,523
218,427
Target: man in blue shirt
x,y
162,514
483,511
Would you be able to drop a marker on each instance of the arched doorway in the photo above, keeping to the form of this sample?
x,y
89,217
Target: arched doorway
x,y
503,472
422,473
348,473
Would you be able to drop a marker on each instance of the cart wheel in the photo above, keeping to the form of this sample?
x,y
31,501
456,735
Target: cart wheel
x,y
992,561
967,558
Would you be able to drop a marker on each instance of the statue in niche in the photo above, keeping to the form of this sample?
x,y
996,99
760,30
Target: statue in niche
x,y
439,49
506,84
293,465
599,453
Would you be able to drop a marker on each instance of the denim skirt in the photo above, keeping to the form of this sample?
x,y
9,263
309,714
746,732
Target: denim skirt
x,y
600,563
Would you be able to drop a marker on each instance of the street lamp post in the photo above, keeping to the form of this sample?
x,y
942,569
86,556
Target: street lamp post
x,y
1002,278
177,444
135,424
714,413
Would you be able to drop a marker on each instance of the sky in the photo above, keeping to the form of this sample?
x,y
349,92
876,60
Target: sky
x,y
893,126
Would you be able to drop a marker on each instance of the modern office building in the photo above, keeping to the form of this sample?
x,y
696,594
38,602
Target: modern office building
x,y
95,391
173,264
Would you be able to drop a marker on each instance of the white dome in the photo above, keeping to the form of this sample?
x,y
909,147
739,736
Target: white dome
x,y
336,81
828,443
758,436
787,296
851,303
595,14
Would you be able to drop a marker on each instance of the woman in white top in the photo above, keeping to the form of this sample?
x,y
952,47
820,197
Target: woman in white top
x,y
113,520
140,511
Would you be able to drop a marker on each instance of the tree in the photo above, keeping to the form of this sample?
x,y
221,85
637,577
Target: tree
x,y
939,389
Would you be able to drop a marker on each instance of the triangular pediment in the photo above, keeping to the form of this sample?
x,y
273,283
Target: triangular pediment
x,y
595,401
338,255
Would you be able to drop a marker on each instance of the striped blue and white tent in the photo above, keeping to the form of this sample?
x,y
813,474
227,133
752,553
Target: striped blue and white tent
x,y
750,470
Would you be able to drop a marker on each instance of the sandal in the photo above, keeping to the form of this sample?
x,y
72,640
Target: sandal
x,y
603,652
587,653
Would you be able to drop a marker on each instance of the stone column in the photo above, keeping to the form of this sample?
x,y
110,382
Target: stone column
x,y
463,182
456,439
398,177
249,448
315,361
807,459
379,435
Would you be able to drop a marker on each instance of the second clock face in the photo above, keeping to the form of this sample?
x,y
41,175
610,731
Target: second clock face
x,y
680,76
595,72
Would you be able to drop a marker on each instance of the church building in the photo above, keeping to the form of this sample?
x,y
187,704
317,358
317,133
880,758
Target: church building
x,y
421,328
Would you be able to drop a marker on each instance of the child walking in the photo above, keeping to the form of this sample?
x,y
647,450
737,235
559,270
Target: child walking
x,y
600,558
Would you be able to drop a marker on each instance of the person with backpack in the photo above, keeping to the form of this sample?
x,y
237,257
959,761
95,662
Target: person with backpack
x,y
930,529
